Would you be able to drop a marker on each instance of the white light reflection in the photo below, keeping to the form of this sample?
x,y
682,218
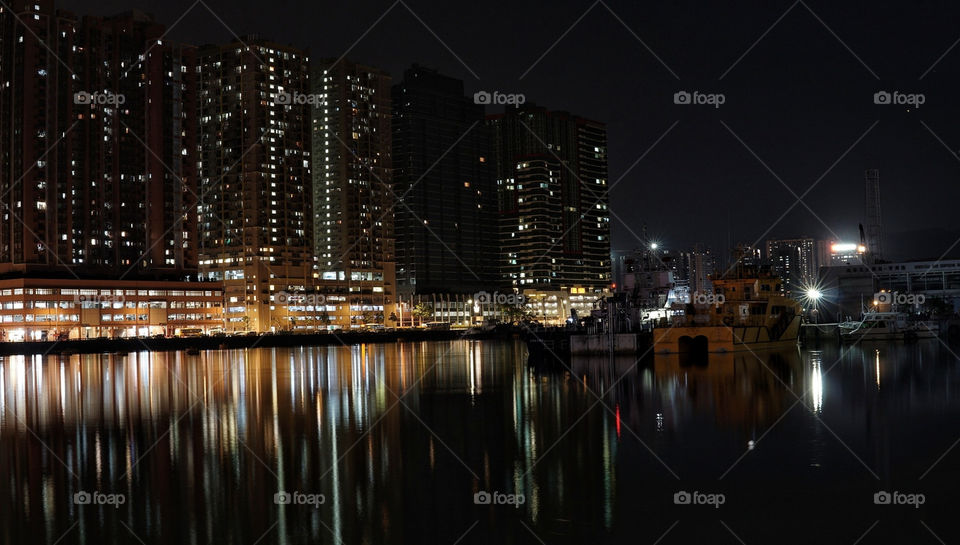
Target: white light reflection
x,y
37,364
816,387
475,363
877,352
63,391
18,385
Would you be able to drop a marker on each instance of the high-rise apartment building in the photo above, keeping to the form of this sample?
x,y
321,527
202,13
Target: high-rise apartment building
x,y
353,197
562,160
794,261
747,259
443,177
97,155
695,267
536,182
256,229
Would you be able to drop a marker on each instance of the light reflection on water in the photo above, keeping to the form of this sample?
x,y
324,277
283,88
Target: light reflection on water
x,y
399,437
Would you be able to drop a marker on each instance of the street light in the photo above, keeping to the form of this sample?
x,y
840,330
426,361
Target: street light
x,y
810,297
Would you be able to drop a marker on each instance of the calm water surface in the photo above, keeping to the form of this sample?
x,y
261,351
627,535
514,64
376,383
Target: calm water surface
x,y
397,443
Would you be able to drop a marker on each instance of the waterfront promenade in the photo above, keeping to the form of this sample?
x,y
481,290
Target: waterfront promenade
x,y
282,340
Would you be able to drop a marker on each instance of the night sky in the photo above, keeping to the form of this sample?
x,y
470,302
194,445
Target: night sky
x,y
801,100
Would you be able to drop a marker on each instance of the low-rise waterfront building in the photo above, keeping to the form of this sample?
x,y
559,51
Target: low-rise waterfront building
x,y
47,309
330,304
551,307
849,289
555,307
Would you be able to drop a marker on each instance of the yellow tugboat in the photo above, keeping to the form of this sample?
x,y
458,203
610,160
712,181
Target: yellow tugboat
x,y
742,313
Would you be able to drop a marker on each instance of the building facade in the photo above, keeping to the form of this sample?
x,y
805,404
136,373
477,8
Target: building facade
x,y
98,150
443,179
695,267
532,261
353,198
794,261
845,253
256,229
551,308
48,309
848,289
745,257
560,161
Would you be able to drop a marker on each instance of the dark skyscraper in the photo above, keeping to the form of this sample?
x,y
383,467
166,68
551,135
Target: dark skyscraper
x,y
551,175
443,174
98,148
794,261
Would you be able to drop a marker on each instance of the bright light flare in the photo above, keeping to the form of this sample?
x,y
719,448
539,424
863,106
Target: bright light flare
x,y
812,295
840,247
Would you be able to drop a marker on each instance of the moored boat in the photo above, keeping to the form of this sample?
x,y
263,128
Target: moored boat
x,y
887,326
742,314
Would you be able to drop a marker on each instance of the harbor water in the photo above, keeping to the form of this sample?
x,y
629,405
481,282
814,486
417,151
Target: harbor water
x,y
463,441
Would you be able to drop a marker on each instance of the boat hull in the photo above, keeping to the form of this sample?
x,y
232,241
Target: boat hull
x,y
887,330
722,339
887,336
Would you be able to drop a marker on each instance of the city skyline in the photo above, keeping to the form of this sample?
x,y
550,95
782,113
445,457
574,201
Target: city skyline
x,y
905,241
284,188
765,102
346,180
412,271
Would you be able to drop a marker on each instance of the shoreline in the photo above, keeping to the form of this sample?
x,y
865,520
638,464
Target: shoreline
x,y
126,345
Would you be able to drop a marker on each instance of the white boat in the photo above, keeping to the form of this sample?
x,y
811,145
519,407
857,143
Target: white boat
x,y
887,326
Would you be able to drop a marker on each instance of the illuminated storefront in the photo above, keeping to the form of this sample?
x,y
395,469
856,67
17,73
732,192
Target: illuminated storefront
x,y
51,309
